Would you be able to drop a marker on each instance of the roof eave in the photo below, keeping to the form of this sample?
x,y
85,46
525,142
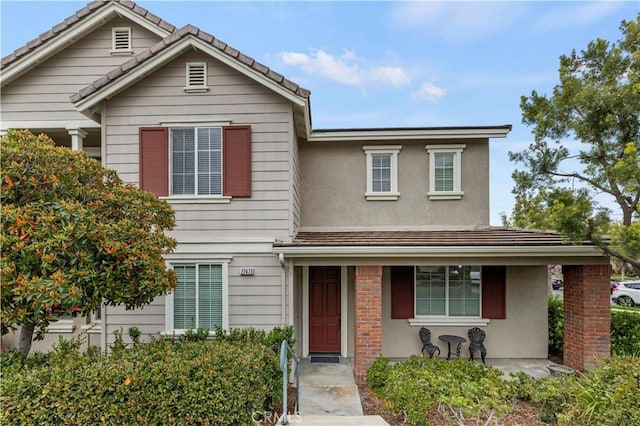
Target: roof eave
x,y
439,251
102,15
410,134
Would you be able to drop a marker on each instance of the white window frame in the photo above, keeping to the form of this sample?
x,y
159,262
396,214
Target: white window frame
x,y
457,192
446,320
195,196
64,324
224,263
197,88
114,48
392,151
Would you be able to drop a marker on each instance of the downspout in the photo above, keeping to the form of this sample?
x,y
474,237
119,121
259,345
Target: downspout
x,y
283,289
103,161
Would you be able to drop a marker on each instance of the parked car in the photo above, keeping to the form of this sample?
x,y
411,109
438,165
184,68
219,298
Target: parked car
x,y
557,284
627,293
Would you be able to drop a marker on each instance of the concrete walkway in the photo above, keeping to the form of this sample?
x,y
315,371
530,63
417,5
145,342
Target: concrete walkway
x,y
329,396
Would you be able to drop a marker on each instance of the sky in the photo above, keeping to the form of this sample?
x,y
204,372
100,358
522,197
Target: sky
x,y
391,64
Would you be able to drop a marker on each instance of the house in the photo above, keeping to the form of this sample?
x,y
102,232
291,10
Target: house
x,y
357,237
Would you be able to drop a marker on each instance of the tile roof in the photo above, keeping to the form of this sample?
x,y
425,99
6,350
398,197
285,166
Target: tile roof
x,y
491,236
74,20
188,30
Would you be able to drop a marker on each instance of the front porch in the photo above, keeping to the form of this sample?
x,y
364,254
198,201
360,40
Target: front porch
x,y
374,302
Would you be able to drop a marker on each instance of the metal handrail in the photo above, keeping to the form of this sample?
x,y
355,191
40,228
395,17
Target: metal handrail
x,y
286,350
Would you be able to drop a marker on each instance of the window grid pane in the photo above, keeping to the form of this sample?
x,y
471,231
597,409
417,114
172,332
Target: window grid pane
x,y
430,290
210,296
381,173
183,161
444,172
184,298
210,161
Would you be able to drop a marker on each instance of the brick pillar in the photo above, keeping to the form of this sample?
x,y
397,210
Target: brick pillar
x,y
368,327
587,314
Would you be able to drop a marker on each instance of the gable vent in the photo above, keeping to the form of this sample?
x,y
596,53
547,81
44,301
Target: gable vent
x,y
121,39
196,76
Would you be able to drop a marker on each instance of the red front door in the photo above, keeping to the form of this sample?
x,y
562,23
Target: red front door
x,y
324,309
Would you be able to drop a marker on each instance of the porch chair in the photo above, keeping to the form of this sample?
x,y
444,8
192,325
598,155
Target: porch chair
x,y
425,336
476,339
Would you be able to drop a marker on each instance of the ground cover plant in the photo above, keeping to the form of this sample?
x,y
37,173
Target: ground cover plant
x,y
465,393
166,381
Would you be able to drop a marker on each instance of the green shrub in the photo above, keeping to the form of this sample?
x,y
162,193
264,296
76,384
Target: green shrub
x,y
378,374
467,389
163,382
556,325
625,332
625,329
607,395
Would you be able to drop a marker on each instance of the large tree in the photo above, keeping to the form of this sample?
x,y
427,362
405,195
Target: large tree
x,y
587,145
74,236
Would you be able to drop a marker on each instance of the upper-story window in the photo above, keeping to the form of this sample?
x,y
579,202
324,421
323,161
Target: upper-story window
x,y
382,172
196,161
196,77
445,172
121,40
190,163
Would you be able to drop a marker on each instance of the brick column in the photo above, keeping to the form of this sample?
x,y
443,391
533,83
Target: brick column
x,y
587,314
368,327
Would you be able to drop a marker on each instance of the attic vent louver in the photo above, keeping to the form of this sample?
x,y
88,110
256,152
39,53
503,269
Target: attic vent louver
x,y
196,77
121,39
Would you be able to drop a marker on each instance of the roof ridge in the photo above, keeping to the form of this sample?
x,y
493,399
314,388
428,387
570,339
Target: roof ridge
x,y
174,37
74,19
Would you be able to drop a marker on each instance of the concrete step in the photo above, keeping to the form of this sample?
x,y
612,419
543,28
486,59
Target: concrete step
x,y
295,420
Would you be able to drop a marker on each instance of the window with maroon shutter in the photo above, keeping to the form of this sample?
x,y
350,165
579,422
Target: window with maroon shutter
x,y
494,292
154,160
196,161
402,292
237,161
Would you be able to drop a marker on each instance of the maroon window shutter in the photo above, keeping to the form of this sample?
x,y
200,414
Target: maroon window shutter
x,y
236,149
154,160
494,280
402,301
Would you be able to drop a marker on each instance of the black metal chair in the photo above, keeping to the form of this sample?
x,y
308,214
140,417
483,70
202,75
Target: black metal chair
x,y
425,336
476,339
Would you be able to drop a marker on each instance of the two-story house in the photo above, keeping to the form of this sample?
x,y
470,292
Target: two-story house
x,y
357,237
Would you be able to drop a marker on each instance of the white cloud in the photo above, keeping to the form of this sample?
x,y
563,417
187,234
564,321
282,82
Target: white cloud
x,y
428,92
459,21
343,69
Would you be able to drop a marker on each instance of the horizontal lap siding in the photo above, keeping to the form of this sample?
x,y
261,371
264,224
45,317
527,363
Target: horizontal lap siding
x,y
160,98
43,93
254,301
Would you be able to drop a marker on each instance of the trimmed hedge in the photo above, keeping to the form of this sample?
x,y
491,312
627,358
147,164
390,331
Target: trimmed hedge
x,y
625,329
165,382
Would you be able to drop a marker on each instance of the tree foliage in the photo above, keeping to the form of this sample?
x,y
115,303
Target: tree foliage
x,y
74,235
587,143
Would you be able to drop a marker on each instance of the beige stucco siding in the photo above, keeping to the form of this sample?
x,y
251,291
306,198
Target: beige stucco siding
x,y
334,185
523,334
43,92
160,98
